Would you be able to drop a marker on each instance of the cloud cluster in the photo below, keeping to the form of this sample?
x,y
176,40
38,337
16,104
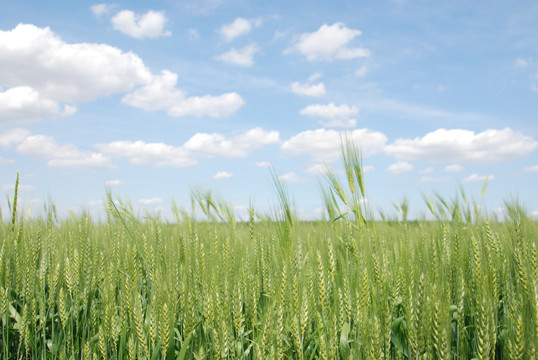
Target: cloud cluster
x,y
149,25
45,147
242,57
222,175
399,167
463,146
201,145
478,178
161,93
315,90
43,76
329,42
333,115
239,27
41,71
323,145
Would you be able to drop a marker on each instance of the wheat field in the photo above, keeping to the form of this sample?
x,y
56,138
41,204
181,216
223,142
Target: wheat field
x,y
461,286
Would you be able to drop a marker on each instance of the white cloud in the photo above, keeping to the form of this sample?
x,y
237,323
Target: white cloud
x,y
368,168
101,9
315,90
241,57
316,169
41,72
201,145
442,88
291,177
13,136
329,42
478,178
45,147
426,171
534,214
531,169
330,111
264,164
161,93
142,153
113,182
22,103
150,25
453,168
399,167
337,116
215,145
150,201
239,27
434,179
222,175
323,145
362,71
464,146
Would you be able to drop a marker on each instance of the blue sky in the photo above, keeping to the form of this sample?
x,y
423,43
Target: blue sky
x,y
151,99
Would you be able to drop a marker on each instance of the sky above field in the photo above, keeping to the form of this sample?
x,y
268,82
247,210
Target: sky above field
x,y
153,99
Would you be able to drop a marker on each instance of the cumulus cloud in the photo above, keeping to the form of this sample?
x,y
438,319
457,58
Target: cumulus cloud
x,y
330,111
399,167
336,116
453,168
43,76
63,156
316,169
242,57
201,145
531,169
72,73
149,25
161,93
13,136
323,145
329,42
41,73
291,177
45,147
142,153
101,9
239,27
478,178
315,90
222,175
464,146
22,103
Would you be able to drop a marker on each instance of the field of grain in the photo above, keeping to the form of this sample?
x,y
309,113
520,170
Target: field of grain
x,y
459,287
